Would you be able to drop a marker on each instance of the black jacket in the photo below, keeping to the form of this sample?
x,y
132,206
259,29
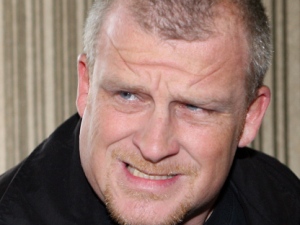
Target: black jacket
x,y
49,187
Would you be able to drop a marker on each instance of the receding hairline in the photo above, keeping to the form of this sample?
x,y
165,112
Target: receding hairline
x,y
228,5
257,32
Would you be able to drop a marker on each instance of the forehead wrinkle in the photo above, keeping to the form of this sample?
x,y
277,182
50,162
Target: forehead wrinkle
x,y
144,59
117,51
205,75
143,56
157,77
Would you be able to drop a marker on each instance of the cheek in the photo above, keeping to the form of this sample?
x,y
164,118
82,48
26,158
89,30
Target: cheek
x,y
103,129
112,127
106,125
213,152
213,148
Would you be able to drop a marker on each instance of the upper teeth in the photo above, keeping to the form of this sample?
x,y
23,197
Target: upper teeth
x,y
135,172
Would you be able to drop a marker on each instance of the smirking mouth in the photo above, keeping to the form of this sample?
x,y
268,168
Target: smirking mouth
x,y
137,173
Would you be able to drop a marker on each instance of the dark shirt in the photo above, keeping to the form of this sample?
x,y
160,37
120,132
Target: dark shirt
x,y
228,210
49,187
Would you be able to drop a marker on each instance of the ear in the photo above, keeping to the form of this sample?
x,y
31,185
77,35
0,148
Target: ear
x,y
83,84
255,114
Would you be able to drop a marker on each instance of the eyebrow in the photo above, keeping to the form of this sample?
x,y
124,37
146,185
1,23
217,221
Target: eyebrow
x,y
203,101
111,83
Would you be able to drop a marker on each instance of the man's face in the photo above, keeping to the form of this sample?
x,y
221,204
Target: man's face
x,y
162,121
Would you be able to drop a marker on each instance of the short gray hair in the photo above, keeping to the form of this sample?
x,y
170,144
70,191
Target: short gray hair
x,y
93,25
190,20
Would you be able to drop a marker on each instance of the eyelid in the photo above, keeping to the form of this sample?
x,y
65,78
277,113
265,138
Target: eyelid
x,y
196,109
199,108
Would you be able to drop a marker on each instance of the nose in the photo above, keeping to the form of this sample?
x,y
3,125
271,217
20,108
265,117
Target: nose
x,y
156,138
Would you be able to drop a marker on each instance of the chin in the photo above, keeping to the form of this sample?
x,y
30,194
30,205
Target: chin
x,y
144,209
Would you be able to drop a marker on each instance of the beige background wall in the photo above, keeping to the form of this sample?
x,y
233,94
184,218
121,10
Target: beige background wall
x,y
39,44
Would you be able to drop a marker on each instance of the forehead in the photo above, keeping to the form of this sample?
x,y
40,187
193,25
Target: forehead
x,y
123,36
122,33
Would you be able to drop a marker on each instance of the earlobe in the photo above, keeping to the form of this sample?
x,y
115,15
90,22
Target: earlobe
x,y
83,84
254,117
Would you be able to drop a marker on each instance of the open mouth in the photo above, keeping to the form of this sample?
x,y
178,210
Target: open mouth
x,y
137,173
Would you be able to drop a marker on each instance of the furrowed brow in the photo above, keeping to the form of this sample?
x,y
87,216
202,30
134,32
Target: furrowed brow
x,y
113,82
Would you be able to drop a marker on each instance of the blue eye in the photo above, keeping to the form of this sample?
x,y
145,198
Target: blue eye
x,y
128,96
192,107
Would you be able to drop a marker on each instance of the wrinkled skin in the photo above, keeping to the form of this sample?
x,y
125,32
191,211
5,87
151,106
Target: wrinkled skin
x,y
162,120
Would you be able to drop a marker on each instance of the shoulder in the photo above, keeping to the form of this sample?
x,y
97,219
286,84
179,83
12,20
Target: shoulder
x,y
30,172
263,166
268,190
6,179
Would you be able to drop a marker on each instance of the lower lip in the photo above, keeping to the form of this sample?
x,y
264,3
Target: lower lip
x,y
148,184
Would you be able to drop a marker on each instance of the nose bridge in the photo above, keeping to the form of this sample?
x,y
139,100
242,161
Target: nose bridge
x,y
156,138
